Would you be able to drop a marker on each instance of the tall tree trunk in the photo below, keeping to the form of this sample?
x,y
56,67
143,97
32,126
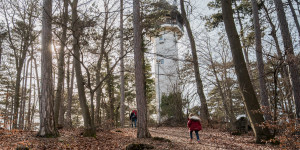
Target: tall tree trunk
x,y
142,131
245,84
204,109
17,97
6,106
284,71
33,106
275,77
292,60
89,130
99,65
110,89
47,125
243,40
98,94
295,17
264,99
70,84
23,96
1,39
61,63
38,90
28,124
122,86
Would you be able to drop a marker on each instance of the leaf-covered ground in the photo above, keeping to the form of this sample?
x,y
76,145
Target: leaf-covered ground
x,y
120,138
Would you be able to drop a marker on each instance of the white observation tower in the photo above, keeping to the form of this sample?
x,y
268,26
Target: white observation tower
x,y
165,48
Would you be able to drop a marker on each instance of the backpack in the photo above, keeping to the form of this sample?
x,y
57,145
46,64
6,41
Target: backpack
x,y
134,114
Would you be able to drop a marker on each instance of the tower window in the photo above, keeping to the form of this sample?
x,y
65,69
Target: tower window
x,y
161,39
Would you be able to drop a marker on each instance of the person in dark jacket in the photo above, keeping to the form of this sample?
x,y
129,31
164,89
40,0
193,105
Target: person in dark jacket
x,y
133,118
194,125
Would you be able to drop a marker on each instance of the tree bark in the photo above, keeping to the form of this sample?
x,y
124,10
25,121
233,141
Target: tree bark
x,y
70,93
142,131
47,125
28,124
292,60
204,109
110,89
1,40
243,41
17,90
61,63
38,90
76,31
23,96
122,86
264,99
245,84
99,65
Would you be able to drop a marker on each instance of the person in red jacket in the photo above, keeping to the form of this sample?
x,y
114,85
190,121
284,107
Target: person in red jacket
x,y
133,118
194,125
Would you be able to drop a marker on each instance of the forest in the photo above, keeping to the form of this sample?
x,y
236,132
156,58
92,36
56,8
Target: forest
x,y
73,74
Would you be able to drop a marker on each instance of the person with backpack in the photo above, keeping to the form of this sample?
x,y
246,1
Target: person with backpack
x,y
194,125
133,118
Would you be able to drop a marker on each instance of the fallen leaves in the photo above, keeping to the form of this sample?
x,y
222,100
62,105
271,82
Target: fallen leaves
x,y
173,138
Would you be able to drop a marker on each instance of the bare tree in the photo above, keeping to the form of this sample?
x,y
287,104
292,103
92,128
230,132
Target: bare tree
x,y
2,36
61,63
89,127
70,83
204,110
264,99
28,124
122,86
47,125
227,109
245,84
292,60
284,70
142,131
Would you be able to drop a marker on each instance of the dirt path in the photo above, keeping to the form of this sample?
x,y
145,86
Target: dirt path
x,y
118,139
210,139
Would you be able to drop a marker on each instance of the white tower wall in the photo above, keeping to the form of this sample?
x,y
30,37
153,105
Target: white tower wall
x,y
166,62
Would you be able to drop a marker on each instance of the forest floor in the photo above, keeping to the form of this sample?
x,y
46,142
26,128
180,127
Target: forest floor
x,y
119,138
